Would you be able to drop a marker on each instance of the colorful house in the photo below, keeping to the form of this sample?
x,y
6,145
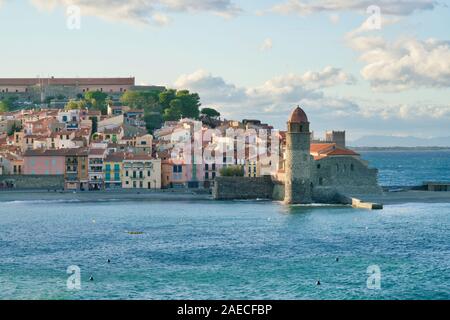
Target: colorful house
x,y
113,168
141,172
76,169
96,178
44,162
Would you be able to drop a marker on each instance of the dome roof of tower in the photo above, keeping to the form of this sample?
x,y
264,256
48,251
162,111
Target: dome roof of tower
x,y
298,116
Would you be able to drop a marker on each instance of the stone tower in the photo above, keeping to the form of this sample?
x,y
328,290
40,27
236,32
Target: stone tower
x,y
298,187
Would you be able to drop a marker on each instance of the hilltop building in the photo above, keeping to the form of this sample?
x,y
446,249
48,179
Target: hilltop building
x,y
38,89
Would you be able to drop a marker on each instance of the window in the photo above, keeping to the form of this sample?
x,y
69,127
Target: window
x,y
127,182
134,174
352,167
318,166
141,175
206,166
213,175
320,181
134,184
206,175
107,167
141,184
149,173
117,167
127,174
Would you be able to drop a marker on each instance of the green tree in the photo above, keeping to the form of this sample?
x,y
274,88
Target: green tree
x,y
94,124
153,121
14,128
96,100
141,100
49,99
4,107
174,112
73,105
190,104
232,171
210,112
166,97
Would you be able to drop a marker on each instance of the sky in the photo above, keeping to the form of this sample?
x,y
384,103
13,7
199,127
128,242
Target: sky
x,y
383,71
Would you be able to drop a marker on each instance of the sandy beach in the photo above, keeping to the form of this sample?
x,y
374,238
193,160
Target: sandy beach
x,y
92,196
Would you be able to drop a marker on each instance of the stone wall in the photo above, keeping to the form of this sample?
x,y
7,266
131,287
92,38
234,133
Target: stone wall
x,y
229,188
32,182
346,175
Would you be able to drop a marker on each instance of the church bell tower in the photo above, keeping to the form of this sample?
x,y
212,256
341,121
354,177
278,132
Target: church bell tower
x,y
298,187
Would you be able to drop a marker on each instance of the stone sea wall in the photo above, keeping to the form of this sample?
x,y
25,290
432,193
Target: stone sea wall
x,y
229,188
32,182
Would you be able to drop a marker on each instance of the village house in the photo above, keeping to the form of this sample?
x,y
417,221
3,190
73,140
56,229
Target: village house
x,y
44,162
76,169
141,172
96,162
113,170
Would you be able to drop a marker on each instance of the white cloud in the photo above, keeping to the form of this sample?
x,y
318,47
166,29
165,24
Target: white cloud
x,y
399,7
142,11
403,64
267,45
273,100
274,97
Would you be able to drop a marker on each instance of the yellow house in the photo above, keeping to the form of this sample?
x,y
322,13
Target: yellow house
x,y
251,168
141,172
113,168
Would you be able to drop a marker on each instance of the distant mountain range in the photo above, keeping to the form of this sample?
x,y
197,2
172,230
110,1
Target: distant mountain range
x,y
405,142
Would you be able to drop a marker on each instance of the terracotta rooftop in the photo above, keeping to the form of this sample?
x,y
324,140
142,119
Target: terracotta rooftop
x,y
323,150
115,157
321,147
342,152
97,152
131,156
45,153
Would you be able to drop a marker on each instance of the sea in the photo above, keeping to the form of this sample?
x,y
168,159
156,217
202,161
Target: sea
x,y
196,249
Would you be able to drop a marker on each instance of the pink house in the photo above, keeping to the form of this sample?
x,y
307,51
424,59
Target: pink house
x,y
44,162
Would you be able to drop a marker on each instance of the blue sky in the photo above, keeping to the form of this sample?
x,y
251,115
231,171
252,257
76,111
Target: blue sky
x,y
254,58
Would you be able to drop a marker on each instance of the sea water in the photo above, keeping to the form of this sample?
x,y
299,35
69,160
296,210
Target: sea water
x,y
232,249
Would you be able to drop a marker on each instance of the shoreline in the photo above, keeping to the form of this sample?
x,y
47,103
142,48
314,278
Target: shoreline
x,y
387,198
101,196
